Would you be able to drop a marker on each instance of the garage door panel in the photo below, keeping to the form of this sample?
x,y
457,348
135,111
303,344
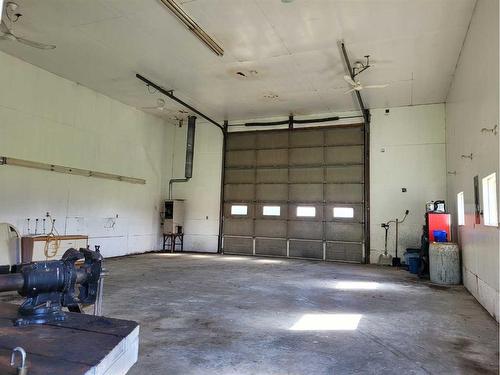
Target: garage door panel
x,y
305,156
308,175
306,192
270,228
240,159
344,193
238,245
238,176
272,139
239,141
300,229
306,249
336,231
347,154
239,192
352,173
344,136
274,175
268,246
238,227
341,251
272,192
314,167
268,158
304,138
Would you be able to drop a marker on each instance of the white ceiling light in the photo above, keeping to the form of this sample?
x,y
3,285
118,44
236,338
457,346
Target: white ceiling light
x,y
193,26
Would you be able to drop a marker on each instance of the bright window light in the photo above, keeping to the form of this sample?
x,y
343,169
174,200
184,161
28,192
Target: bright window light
x,y
271,210
239,209
327,322
306,211
461,208
356,285
490,210
343,212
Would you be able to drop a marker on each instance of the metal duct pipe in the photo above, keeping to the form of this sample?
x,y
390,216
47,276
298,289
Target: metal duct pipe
x,y
188,171
188,168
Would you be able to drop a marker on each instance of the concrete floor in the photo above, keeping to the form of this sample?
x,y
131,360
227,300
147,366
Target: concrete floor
x,y
209,314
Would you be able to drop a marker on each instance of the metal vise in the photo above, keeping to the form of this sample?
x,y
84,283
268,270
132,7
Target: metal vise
x,y
50,285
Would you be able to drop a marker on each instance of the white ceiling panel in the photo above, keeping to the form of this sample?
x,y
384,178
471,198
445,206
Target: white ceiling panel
x,y
287,52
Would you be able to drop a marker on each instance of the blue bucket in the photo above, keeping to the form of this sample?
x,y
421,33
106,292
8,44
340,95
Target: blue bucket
x,y
414,265
440,236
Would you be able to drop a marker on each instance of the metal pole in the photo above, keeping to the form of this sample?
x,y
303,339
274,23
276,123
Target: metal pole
x,y
366,137
173,97
222,178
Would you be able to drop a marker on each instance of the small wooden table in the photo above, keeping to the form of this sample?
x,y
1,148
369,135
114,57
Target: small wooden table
x,y
80,345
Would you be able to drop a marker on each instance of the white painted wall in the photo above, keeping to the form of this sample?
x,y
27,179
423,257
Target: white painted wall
x,y
414,157
49,119
407,150
472,104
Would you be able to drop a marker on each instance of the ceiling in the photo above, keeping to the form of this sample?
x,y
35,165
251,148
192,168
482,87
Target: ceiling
x,y
288,51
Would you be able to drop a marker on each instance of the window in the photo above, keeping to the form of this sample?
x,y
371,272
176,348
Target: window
x,y
460,208
490,200
271,210
306,211
343,212
239,209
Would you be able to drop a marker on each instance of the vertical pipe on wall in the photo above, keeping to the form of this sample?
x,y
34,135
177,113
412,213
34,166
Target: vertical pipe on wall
x,y
222,176
188,167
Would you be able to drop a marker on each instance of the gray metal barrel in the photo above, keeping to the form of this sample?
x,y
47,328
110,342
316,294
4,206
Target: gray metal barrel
x,y
444,263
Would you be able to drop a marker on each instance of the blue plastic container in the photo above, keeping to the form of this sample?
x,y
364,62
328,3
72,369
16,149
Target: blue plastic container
x,y
411,253
414,265
440,236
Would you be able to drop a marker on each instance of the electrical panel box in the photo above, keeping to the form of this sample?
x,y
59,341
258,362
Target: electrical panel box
x,y
173,220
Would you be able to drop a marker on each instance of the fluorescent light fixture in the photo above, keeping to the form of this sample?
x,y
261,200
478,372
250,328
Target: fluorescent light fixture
x,y
193,26
356,285
343,212
1,9
327,322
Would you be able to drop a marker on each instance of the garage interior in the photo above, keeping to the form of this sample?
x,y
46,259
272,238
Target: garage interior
x,y
249,187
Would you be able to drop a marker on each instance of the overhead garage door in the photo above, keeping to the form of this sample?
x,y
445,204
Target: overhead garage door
x,y
295,193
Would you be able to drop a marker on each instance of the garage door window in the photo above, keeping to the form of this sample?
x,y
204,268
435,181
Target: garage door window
x,y
239,209
306,211
343,212
271,210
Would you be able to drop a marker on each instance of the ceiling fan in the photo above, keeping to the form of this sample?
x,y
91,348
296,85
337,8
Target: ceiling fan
x,y
357,86
160,105
7,34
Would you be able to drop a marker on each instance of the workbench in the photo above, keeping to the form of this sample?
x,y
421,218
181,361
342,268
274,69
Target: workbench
x,y
80,345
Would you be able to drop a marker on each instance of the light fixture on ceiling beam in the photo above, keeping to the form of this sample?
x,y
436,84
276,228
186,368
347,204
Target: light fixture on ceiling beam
x,y
193,26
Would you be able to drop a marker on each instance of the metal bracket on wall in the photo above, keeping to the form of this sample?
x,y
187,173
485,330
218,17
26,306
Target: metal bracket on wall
x,y
4,160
